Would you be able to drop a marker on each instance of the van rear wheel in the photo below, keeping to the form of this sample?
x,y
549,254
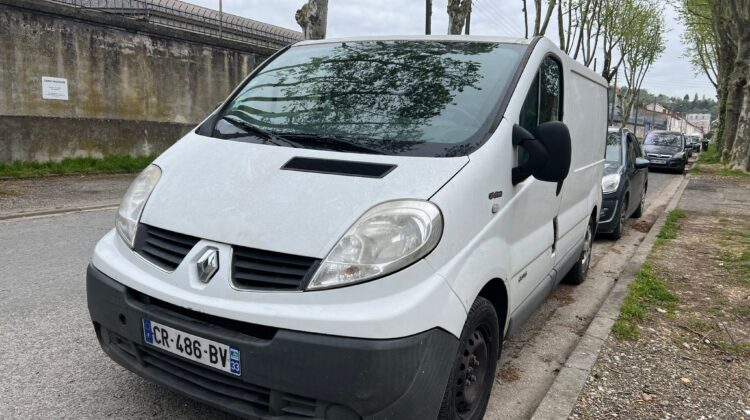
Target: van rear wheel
x,y
473,373
577,274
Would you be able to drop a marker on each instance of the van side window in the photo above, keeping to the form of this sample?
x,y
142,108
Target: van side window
x,y
544,100
550,103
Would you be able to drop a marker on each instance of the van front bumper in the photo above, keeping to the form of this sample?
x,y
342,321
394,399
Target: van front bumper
x,y
285,373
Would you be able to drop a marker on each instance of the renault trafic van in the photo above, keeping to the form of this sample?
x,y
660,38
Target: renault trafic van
x,y
356,229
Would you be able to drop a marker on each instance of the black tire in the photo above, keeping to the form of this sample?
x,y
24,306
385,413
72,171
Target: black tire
x,y
622,217
641,206
473,373
578,273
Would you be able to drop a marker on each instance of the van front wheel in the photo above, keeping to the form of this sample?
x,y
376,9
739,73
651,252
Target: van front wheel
x,y
578,273
473,374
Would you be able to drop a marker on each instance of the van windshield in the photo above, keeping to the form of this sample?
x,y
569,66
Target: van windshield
x,y
425,98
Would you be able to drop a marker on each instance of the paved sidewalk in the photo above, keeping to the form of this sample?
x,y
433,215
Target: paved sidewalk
x,y
60,193
691,360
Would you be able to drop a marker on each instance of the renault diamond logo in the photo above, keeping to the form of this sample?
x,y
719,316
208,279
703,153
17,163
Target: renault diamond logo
x,y
208,264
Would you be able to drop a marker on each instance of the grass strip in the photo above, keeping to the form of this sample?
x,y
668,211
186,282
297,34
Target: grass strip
x,y
78,165
670,228
647,291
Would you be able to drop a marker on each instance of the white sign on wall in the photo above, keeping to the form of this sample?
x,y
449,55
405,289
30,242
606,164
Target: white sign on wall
x,y
54,88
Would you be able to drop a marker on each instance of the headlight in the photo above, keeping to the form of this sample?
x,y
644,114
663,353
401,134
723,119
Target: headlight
x,y
678,155
387,238
610,183
132,204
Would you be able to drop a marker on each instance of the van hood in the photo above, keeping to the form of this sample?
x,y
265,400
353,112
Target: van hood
x,y
237,193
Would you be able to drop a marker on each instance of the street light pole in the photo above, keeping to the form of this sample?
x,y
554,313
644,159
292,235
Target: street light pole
x,y
221,18
428,17
468,21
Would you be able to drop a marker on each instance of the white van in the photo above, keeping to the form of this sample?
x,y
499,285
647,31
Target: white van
x,y
354,231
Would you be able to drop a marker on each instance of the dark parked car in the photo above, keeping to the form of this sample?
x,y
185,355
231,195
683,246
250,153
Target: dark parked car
x,y
694,142
624,184
666,150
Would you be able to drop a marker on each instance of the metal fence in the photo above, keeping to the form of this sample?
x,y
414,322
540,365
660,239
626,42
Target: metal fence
x,y
188,17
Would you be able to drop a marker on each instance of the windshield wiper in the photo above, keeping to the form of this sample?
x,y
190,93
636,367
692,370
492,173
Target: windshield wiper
x,y
331,143
254,129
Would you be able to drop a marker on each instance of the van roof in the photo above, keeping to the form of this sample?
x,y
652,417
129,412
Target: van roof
x,y
465,38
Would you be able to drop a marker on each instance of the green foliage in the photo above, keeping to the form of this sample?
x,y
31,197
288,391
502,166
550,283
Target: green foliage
x,y
709,156
670,228
731,172
712,157
108,164
643,43
734,257
646,292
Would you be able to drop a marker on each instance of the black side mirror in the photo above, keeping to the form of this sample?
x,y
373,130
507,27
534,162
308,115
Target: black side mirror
x,y
538,156
549,153
555,137
642,163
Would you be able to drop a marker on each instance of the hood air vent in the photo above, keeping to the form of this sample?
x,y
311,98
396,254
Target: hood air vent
x,y
339,167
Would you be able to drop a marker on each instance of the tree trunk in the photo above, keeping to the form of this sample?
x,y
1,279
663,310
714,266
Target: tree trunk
x,y
537,16
525,20
312,17
560,25
740,157
458,10
736,130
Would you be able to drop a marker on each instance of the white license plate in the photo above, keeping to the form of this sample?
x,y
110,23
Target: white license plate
x,y
202,350
659,161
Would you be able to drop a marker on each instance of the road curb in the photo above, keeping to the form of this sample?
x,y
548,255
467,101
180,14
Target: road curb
x,y
55,212
562,396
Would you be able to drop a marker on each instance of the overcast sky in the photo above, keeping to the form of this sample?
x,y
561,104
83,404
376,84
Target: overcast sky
x,y
671,75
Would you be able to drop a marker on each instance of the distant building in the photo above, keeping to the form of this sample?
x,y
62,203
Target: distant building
x,y
702,121
654,117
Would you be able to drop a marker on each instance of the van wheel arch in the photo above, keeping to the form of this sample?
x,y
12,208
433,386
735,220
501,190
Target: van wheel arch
x,y
497,293
595,218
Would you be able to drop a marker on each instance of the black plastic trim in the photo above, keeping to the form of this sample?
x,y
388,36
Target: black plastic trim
x,y
339,167
399,378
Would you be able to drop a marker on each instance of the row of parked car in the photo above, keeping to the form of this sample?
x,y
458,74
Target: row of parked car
x,y
625,180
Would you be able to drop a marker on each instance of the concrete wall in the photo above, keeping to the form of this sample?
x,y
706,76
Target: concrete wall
x,y
133,88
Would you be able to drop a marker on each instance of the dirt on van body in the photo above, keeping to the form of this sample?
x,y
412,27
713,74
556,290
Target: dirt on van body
x,y
690,359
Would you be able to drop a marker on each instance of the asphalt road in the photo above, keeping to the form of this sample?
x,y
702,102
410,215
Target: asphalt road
x,y
51,363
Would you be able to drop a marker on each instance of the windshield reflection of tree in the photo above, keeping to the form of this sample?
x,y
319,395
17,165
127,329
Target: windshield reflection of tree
x,y
382,94
664,140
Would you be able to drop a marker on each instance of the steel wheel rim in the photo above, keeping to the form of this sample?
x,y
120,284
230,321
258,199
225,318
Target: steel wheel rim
x,y
586,247
623,215
469,384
